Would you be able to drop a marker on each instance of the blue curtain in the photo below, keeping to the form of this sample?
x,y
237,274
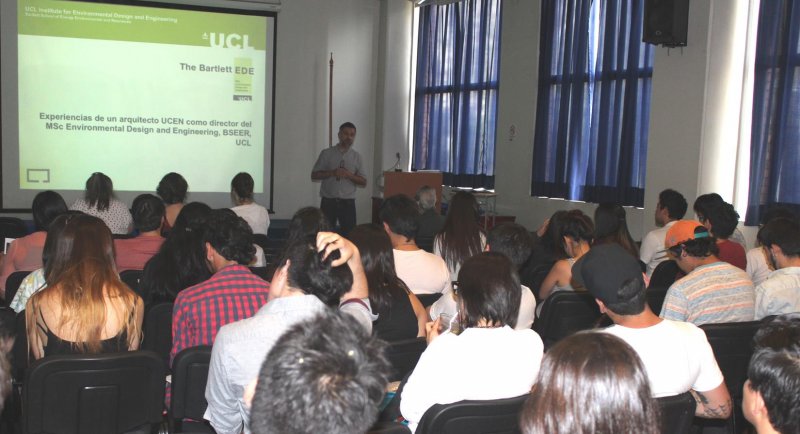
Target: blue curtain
x,y
455,113
593,106
775,139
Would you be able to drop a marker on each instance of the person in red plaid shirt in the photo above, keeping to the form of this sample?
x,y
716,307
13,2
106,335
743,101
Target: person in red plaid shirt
x,y
231,294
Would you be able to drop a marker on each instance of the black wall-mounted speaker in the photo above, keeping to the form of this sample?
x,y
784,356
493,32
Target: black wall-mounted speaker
x,y
666,22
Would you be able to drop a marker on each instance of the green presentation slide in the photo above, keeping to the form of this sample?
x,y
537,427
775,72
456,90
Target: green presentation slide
x,y
136,92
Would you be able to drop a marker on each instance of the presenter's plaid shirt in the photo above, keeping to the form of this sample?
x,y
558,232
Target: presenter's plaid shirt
x,y
231,294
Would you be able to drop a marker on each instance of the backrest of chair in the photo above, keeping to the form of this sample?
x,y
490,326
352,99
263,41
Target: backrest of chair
x,y
12,227
499,416
132,279
428,299
404,355
655,298
261,240
158,330
564,313
189,377
677,413
93,394
12,285
733,347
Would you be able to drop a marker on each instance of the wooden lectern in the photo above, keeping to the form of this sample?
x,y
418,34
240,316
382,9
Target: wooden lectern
x,y
408,183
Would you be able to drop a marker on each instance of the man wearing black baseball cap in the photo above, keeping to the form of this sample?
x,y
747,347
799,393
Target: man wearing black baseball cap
x,y
676,354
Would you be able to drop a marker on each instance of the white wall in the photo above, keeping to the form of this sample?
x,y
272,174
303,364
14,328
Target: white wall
x,y
308,31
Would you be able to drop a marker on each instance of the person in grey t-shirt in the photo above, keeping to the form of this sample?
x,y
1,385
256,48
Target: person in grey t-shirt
x,y
340,169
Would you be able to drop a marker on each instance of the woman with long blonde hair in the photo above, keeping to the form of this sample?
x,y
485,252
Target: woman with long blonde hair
x,y
85,309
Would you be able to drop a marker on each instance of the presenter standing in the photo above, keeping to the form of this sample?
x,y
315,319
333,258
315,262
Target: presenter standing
x,y
340,169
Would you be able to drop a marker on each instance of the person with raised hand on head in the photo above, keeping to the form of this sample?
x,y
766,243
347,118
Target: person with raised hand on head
x,y
591,383
316,273
99,201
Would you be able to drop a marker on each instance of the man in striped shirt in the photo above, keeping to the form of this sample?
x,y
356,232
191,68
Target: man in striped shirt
x,y
712,291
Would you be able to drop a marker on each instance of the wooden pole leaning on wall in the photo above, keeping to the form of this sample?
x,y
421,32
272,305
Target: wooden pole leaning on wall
x,y
330,104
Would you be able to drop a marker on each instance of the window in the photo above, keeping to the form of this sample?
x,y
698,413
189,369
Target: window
x,y
592,114
455,101
775,133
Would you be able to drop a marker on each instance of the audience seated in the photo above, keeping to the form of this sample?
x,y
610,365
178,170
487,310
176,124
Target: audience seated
x,y
610,226
232,293
513,241
710,208
430,221
591,383
85,307
676,355
576,235
772,390
670,208
148,218
706,201
780,293
548,247
400,313
325,375
488,359
712,291
461,236
423,272
254,214
758,264
172,190
721,220
36,281
181,260
25,254
6,344
99,201
305,284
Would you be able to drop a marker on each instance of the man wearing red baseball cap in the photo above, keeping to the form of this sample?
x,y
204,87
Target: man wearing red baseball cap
x,y
712,291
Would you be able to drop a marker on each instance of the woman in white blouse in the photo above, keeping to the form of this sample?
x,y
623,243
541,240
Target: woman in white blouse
x,y
488,359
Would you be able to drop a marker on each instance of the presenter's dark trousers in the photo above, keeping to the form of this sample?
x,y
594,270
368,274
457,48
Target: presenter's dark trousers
x,y
341,212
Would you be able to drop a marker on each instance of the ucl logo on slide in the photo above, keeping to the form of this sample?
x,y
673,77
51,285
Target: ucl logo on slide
x,y
231,40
